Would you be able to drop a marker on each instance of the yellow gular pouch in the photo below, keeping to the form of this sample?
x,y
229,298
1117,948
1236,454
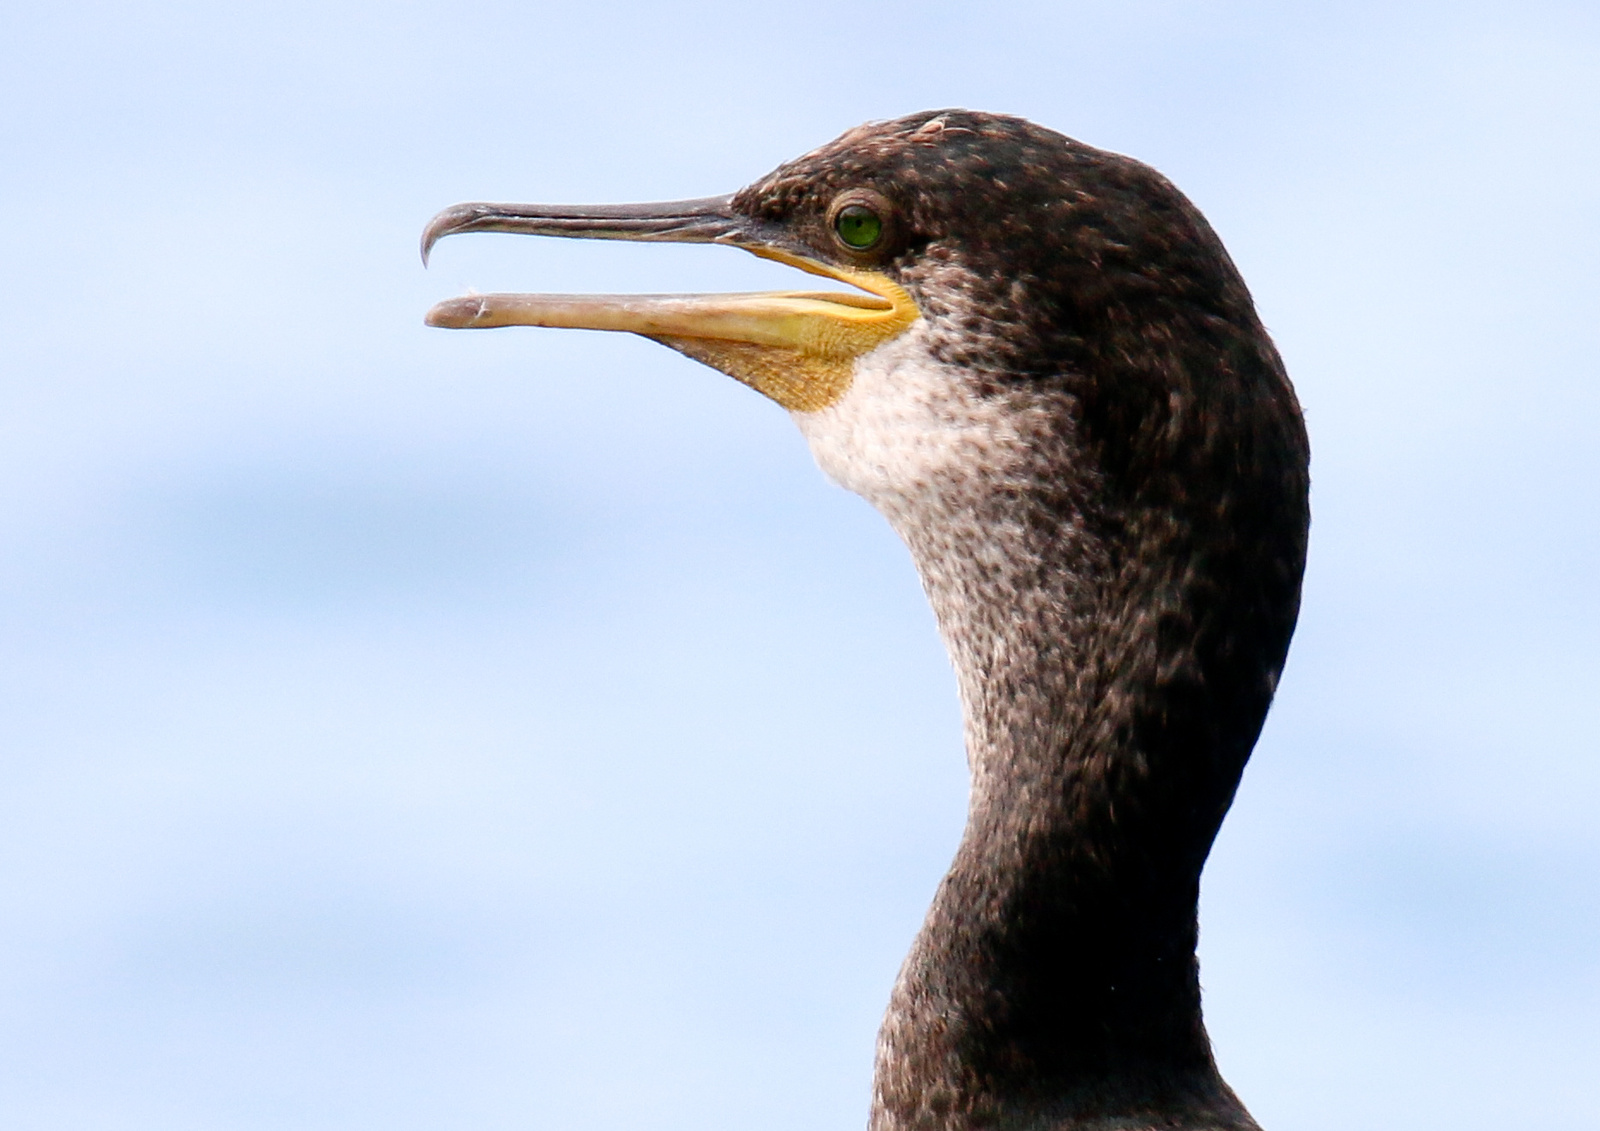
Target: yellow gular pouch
x,y
799,382
830,331
797,347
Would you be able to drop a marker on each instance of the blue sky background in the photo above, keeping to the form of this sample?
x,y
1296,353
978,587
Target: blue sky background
x,y
409,729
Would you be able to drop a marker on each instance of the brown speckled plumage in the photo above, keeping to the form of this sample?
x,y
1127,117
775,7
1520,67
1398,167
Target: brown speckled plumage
x,y
1117,594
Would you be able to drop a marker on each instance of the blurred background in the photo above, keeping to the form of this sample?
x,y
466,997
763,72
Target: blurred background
x,y
410,729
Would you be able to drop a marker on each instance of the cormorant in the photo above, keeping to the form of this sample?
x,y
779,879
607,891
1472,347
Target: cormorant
x,y
1052,381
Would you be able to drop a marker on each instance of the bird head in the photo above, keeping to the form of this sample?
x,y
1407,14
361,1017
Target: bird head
x,y
1021,305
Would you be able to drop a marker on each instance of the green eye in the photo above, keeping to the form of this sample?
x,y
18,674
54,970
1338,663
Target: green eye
x,y
858,226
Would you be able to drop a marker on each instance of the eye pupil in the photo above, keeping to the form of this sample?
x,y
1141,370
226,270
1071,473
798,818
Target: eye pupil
x,y
858,226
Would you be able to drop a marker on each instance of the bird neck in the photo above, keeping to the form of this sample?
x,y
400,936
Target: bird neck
x,y
1114,563
1055,983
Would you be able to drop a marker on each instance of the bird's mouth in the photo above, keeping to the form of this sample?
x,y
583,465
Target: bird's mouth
x,y
797,347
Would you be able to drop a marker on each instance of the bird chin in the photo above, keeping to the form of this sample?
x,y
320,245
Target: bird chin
x,y
907,433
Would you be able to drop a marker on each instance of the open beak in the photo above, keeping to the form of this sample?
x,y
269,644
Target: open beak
x,y
797,347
